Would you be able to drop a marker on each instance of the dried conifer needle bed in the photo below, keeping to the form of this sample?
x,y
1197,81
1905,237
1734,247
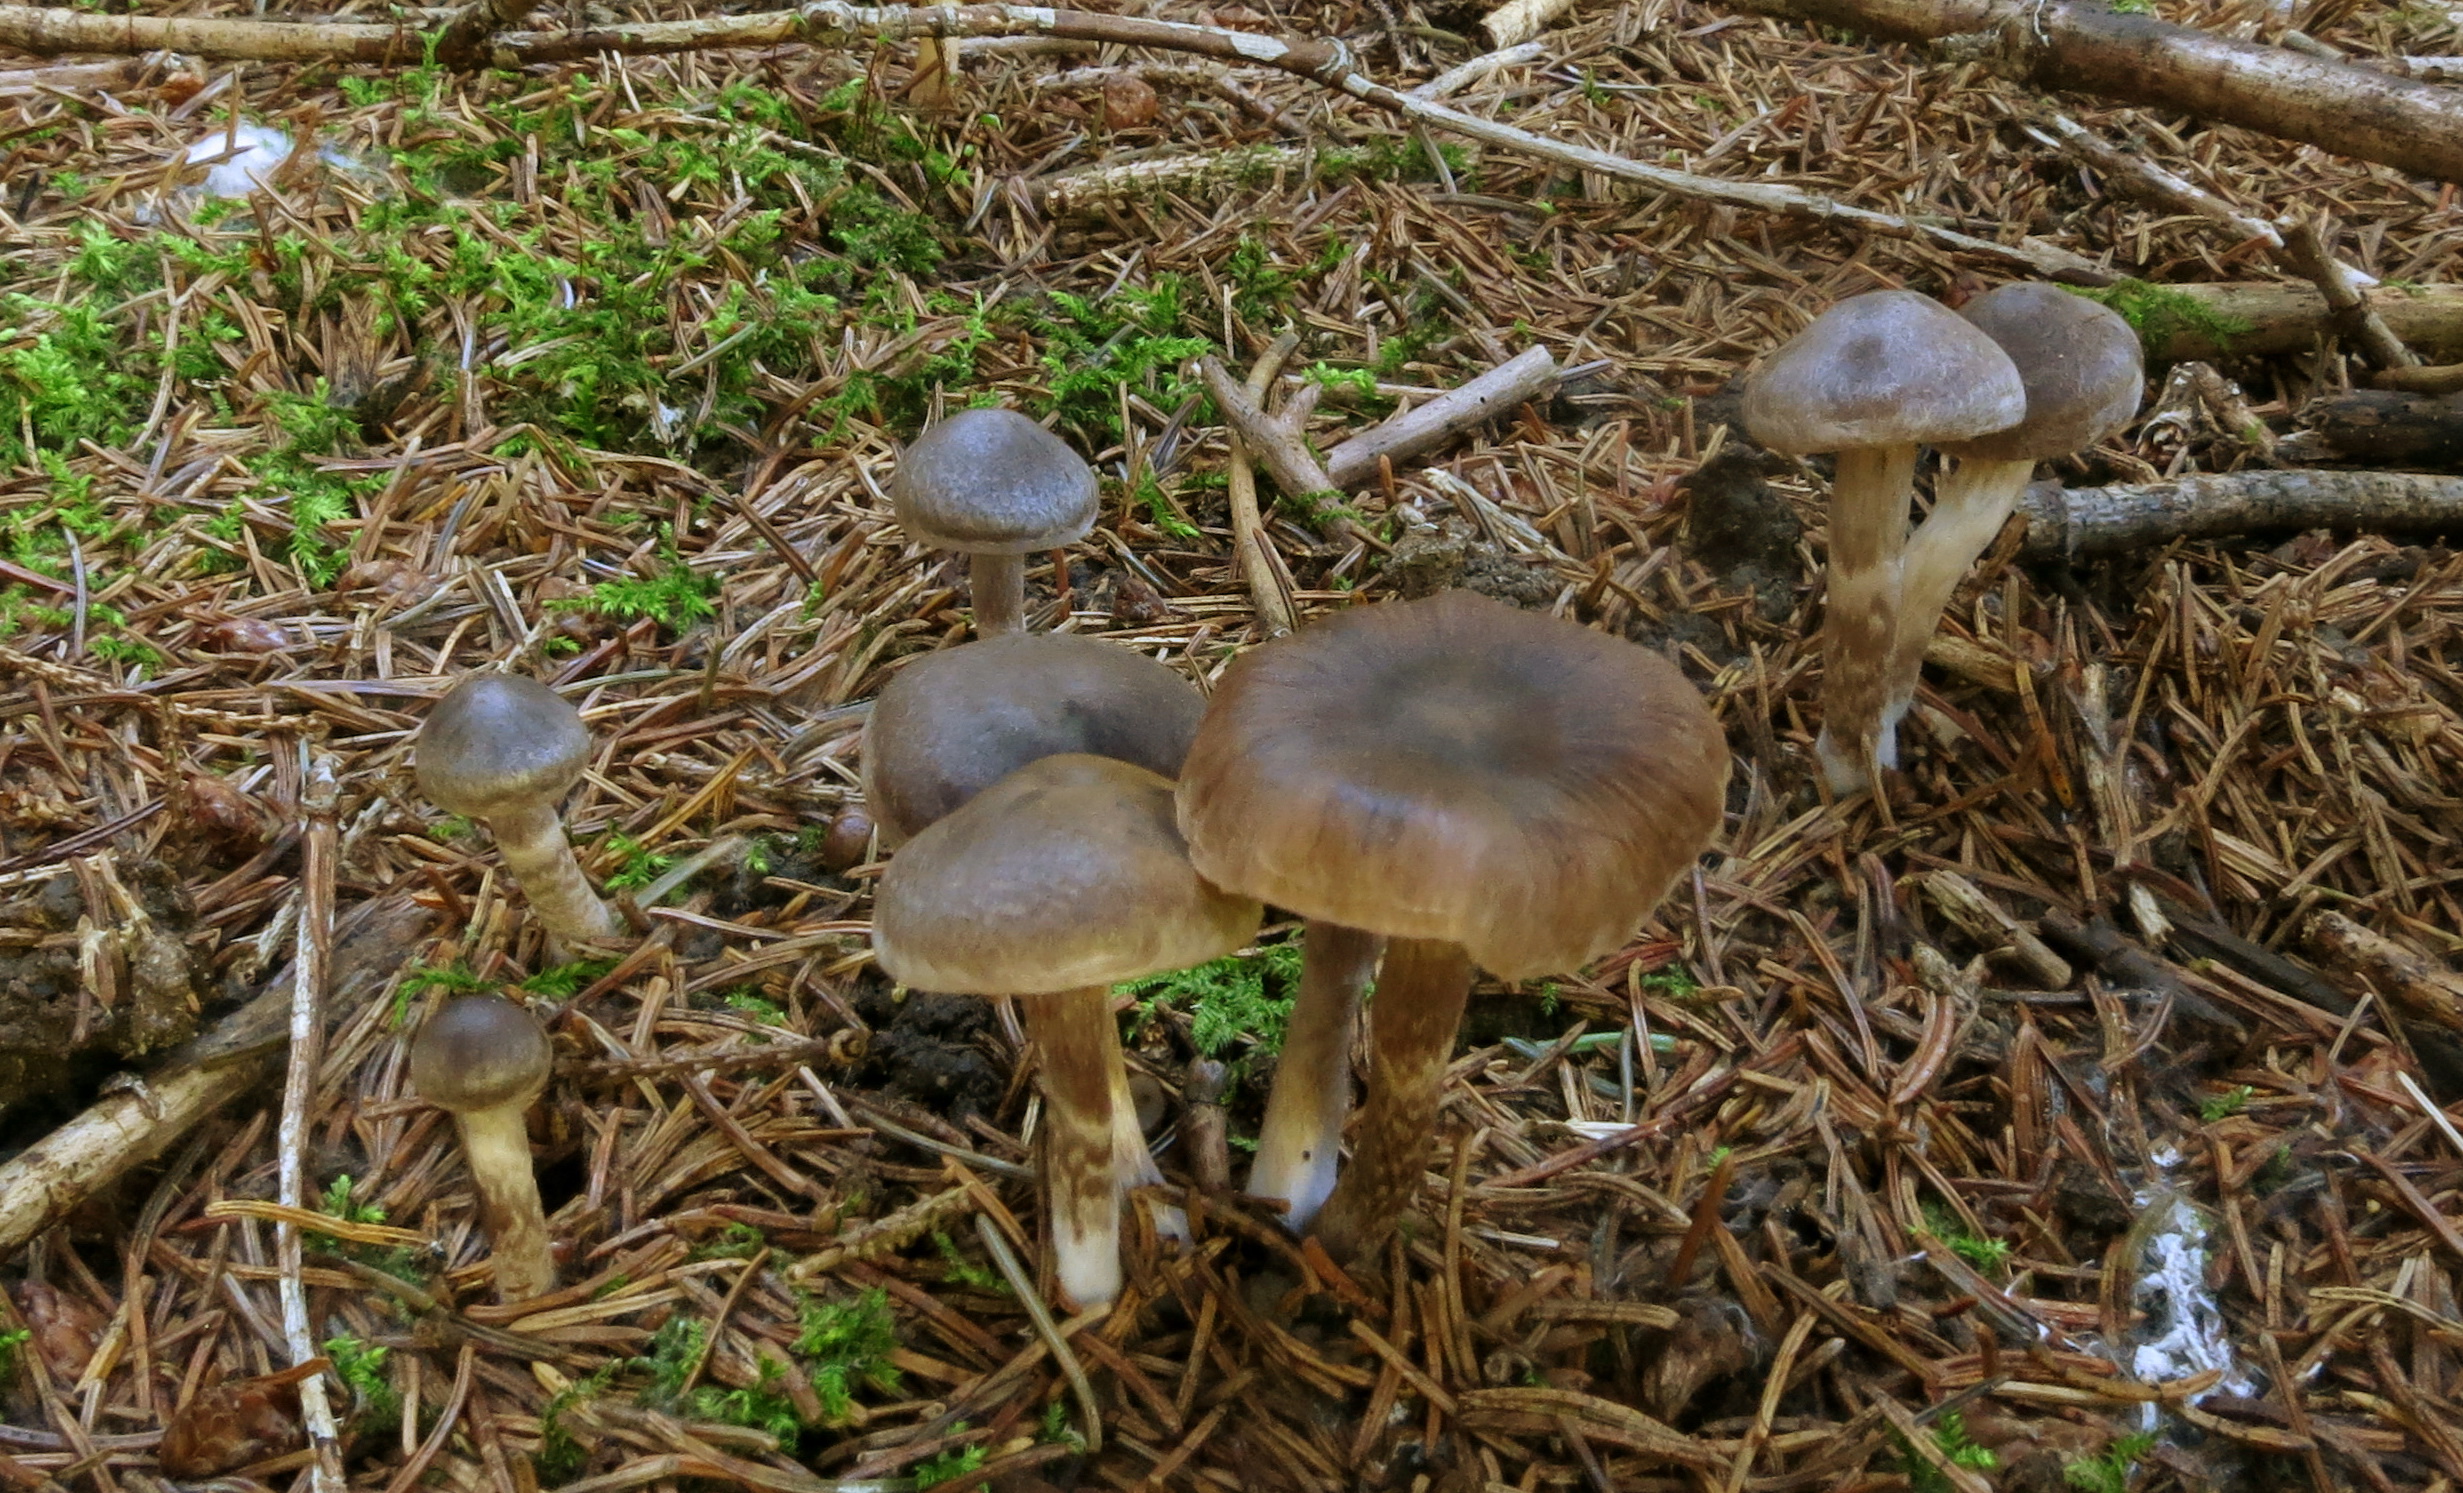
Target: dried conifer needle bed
x,y
953,723
1872,379
1054,884
506,749
1478,784
484,1059
997,487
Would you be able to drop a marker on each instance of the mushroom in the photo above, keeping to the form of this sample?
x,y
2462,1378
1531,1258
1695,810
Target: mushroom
x,y
2083,370
1872,379
1052,885
483,1059
505,748
997,487
953,723
1478,785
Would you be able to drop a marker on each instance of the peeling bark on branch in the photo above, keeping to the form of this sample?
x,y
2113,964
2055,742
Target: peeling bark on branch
x,y
2080,46
2084,522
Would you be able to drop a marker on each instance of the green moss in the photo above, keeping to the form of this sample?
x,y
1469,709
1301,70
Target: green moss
x,y
2109,1472
2159,313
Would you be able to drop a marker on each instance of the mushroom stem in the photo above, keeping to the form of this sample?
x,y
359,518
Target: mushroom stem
x,y
497,1145
1133,1161
540,859
999,586
1868,527
1080,1050
1412,1023
1970,503
1299,1148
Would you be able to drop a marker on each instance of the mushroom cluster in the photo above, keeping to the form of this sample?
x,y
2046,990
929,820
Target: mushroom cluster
x,y
1453,779
2023,373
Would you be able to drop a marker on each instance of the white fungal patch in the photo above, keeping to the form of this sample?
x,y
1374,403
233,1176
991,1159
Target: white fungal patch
x,y
2183,1331
245,159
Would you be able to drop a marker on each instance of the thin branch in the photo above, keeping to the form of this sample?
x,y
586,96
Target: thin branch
x,y
2085,522
1425,427
1269,580
309,971
2305,249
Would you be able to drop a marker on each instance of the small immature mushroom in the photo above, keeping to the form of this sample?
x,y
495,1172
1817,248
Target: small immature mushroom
x,y
953,723
2084,370
1872,379
996,486
1477,784
1053,885
506,749
484,1059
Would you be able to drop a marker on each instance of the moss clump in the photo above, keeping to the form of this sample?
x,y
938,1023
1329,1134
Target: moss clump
x,y
2158,313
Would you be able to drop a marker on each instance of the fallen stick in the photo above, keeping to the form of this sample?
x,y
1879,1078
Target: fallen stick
x,y
1427,426
2247,319
836,25
311,965
1261,565
2445,378
2304,248
41,1184
2379,428
1517,21
2081,46
2080,523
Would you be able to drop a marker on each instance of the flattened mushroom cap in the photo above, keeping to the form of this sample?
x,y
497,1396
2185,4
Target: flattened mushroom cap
x,y
995,482
953,723
479,1052
1456,769
499,740
1067,873
2080,361
1889,368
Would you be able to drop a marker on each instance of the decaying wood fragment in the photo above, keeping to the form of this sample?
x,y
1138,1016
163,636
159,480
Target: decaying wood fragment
x,y
2247,319
2380,428
2418,986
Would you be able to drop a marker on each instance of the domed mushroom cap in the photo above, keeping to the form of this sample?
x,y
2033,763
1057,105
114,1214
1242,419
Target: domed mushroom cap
x,y
499,740
993,481
953,723
1067,873
2081,363
1456,769
480,1052
1889,368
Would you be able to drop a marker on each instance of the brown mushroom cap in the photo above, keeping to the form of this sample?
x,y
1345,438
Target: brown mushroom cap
x,y
993,481
1067,873
499,741
480,1052
1888,368
1459,770
953,723
2080,361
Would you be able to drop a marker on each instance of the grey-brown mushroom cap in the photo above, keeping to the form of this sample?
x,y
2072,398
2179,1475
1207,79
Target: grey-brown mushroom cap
x,y
479,1052
1068,873
993,481
1456,769
2081,362
1888,368
953,723
499,740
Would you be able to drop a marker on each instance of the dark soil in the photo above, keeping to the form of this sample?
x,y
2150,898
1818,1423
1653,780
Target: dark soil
x,y
934,1051
55,1033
